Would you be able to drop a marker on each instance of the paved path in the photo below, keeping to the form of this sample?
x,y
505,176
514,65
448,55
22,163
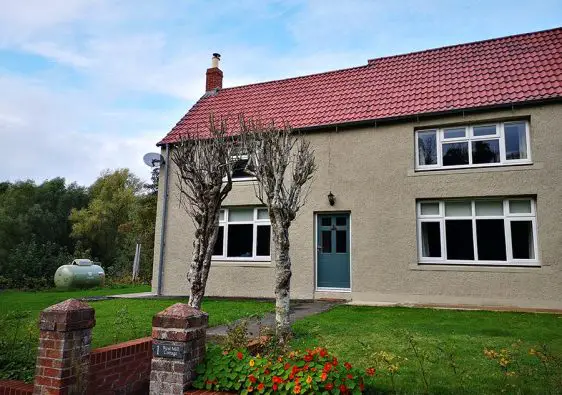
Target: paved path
x,y
299,310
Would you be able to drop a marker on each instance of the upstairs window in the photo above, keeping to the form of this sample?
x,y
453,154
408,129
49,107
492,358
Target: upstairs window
x,y
493,144
478,232
244,235
241,168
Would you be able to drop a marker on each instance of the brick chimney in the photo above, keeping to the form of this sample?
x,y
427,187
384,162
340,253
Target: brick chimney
x,y
214,74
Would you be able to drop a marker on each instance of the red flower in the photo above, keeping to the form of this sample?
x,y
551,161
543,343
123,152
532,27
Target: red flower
x,y
343,388
323,352
324,376
266,371
350,376
225,352
275,387
370,371
329,387
361,386
327,367
287,366
261,387
335,361
250,389
239,355
347,365
308,358
252,378
277,380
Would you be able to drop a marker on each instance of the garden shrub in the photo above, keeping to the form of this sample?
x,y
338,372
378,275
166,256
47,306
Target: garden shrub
x,y
310,372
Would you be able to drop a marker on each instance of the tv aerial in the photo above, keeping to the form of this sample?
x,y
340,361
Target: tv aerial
x,y
152,159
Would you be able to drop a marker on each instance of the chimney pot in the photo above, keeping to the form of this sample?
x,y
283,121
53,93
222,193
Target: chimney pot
x,y
214,74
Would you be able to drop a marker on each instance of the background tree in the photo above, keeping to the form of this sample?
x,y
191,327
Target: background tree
x,y
204,170
283,163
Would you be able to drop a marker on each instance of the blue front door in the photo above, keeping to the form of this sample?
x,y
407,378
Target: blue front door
x,y
333,251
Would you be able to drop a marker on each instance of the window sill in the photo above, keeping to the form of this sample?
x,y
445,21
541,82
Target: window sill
x,y
480,268
241,263
483,169
245,179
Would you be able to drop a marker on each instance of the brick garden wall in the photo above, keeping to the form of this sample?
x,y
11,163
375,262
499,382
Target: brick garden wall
x,y
12,387
122,368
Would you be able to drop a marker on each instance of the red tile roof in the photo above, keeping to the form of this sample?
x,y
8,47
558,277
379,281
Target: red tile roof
x,y
509,70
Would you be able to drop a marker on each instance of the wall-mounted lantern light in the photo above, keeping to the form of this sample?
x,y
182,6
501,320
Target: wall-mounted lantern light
x,y
331,198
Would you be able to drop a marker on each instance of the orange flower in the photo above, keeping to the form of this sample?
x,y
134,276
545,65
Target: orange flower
x,y
308,380
261,387
347,365
329,387
239,355
297,389
324,376
250,389
370,371
279,359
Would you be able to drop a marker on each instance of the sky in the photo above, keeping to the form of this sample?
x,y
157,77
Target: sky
x,y
88,85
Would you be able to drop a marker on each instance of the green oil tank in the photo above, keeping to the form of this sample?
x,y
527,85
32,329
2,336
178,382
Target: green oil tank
x,y
82,273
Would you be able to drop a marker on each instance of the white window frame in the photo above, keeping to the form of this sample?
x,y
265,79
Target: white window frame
x,y
242,157
506,216
224,222
469,138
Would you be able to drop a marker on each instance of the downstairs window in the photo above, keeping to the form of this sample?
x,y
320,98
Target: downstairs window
x,y
244,235
478,232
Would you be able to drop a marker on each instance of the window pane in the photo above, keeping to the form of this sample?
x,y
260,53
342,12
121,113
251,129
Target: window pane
x,y
454,133
515,141
241,214
326,221
239,168
490,238
427,148
520,206
457,209
489,207
218,250
240,239
484,130
459,239
341,241
431,239
326,241
263,214
522,240
429,208
221,215
487,151
264,239
455,154
341,221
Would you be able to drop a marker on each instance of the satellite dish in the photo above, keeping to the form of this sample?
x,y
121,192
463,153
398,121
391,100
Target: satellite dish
x,y
153,159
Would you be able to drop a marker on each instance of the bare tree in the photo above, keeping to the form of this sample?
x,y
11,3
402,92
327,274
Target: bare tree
x,y
282,163
204,180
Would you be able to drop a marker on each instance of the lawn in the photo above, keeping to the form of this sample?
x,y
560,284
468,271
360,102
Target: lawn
x,y
117,320
447,341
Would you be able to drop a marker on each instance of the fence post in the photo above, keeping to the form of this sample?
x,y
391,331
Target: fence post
x,y
178,346
63,359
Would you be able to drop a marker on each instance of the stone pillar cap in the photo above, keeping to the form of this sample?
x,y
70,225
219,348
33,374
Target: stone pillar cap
x,y
70,315
181,316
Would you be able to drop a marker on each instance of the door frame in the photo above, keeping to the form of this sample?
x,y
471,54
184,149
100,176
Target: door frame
x,y
315,229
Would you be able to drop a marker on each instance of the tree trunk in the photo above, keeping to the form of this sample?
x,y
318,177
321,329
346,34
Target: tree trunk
x,y
282,281
203,245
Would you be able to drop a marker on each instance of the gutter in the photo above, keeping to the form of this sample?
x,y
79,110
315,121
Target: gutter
x,y
163,227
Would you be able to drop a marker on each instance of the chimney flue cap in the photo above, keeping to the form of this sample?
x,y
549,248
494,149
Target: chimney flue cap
x,y
215,60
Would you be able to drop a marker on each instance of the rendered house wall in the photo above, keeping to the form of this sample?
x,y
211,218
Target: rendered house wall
x,y
371,172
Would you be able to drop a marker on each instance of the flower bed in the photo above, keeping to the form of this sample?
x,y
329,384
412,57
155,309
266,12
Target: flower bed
x,y
313,371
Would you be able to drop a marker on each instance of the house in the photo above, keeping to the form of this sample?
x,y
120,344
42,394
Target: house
x,y
444,168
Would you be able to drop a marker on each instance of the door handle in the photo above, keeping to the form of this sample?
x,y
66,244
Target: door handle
x,y
319,249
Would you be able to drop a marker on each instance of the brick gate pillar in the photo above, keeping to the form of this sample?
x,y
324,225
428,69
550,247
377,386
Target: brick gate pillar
x,y
63,358
178,346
